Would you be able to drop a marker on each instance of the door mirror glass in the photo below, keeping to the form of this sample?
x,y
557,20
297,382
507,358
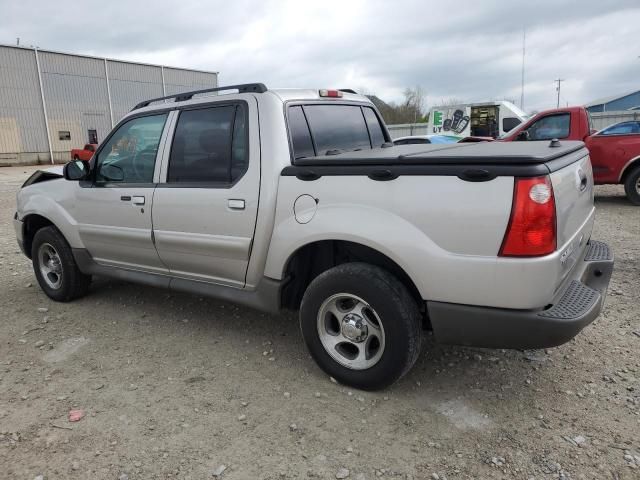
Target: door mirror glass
x,y
111,172
76,170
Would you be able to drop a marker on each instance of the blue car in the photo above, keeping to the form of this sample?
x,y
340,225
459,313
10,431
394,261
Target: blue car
x,y
418,139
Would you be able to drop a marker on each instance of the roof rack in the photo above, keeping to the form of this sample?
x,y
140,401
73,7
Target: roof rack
x,y
181,97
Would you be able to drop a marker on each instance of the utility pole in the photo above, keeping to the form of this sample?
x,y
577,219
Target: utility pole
x,y
559,80
524,38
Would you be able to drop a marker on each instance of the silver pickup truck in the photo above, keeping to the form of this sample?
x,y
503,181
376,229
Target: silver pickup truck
x,y
298,199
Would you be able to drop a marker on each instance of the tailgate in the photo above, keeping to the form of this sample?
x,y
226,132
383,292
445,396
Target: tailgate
x,y
573,192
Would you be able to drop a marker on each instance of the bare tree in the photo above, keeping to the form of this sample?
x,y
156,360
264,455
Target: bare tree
x,y
449,102
411,110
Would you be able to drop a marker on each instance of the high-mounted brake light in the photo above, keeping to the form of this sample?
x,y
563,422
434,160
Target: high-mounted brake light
x,y
331,93
532,227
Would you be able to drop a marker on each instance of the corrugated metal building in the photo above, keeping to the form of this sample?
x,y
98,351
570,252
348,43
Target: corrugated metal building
x,y
626,101
52,102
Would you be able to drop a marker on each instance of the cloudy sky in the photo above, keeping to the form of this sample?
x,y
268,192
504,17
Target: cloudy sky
x,y
469,50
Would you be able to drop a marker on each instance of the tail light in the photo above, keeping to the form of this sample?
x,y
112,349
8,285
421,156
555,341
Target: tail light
x,y
532,227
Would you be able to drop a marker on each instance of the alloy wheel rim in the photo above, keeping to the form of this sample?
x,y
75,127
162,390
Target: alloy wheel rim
x,y
50,265
351,331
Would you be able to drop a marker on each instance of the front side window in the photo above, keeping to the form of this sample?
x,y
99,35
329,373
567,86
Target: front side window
x,y
129,156
550,127
624,128
209,145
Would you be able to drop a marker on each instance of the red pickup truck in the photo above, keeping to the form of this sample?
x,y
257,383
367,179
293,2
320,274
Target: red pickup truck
x,y
615,152
85,153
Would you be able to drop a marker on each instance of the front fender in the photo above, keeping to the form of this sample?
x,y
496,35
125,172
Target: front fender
x,y
49,200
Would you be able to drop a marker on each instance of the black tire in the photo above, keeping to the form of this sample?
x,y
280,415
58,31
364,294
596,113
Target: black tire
x,y
72,282
632,186
394,306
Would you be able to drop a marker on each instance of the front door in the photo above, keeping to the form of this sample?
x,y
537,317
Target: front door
x,y
113,211
204,214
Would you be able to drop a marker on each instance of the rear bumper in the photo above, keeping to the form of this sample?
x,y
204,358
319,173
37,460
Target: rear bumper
x,y
576,305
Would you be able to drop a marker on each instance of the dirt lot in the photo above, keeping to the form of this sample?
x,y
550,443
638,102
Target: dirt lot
x,y
175,386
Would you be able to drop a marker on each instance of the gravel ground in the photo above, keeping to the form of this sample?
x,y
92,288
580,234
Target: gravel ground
x,y
176,386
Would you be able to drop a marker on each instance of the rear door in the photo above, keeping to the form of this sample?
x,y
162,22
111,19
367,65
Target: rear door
x,y
205,209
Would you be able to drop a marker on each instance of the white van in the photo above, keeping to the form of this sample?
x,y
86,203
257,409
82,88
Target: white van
x,y
484,119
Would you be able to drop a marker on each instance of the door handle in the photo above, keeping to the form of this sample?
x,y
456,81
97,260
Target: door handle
x,y
137,200
236,204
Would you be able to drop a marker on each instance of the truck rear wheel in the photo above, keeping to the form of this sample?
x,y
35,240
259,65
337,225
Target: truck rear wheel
x,y
361,325
632,186
55,268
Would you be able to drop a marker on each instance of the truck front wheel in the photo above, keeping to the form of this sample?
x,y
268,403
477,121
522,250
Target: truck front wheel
x,y
55,268
632,186
361,325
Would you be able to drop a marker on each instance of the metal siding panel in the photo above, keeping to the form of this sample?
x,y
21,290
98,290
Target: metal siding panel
x,y
22,126
76,95
75,90
600,120
624,103
131,84
408,129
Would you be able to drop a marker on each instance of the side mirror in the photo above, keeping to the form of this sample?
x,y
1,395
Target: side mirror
x,y
112,173
76,170
523,135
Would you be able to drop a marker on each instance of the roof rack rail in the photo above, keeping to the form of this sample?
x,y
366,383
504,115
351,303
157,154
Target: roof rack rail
x,y
181,97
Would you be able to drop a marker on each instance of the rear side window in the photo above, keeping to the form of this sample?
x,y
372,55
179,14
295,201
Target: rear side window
x,y
209,145
320,129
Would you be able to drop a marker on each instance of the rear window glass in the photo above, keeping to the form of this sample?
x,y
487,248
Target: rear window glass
x,y
316,130
337,127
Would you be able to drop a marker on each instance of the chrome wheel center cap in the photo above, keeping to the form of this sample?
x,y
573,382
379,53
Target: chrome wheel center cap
x,y
354,328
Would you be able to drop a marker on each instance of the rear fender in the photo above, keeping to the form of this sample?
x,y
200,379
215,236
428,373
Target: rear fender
x,y
380,230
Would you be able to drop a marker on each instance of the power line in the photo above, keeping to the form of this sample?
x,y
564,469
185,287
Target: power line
x,y
559,81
